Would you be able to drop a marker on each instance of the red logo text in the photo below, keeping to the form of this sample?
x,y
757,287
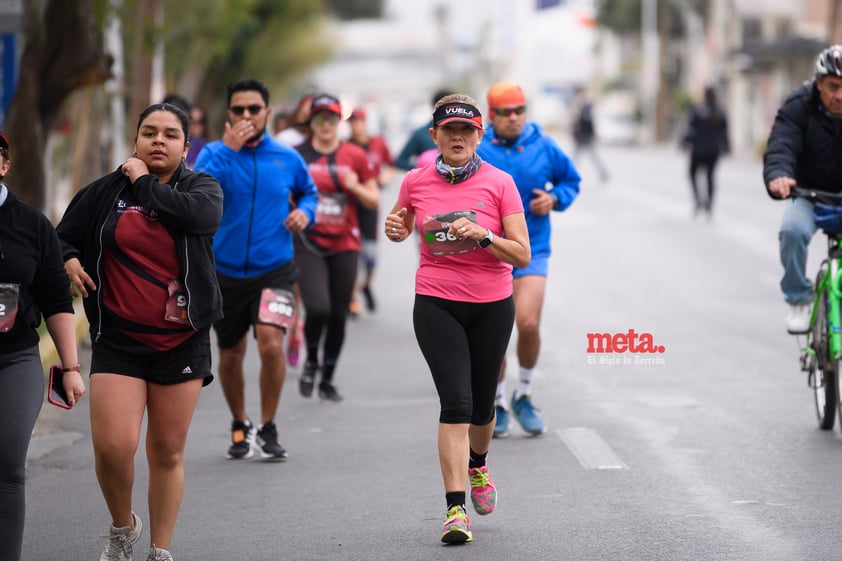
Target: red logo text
x,y
630,342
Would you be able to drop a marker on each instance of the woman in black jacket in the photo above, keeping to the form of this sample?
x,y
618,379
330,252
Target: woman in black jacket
x,y
707,139
32,283
137,244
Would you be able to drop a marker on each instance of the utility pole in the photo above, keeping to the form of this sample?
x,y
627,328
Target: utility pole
x,y
834,25
664,103
650,64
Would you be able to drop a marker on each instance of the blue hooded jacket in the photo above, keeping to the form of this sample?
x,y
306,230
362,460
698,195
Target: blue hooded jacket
x,y
258,184
535,161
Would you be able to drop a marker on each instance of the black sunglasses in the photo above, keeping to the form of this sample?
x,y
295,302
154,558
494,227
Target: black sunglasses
x,y
506,111
239,109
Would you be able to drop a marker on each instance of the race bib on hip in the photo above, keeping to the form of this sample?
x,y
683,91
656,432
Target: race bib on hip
x,y
9,297
176,310
277,307
439,241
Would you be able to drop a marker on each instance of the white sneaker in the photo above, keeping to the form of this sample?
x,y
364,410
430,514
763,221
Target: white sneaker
x,y
798,320
158,554
121,542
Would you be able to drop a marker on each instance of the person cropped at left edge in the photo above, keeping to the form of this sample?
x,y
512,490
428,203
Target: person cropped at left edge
x,y
137,245
254,257
471,218
33,284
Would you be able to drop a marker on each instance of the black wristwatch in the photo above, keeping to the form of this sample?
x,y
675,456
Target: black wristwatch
x,y
486,241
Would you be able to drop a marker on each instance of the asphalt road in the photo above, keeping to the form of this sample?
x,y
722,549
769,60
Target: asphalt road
x,y
706,451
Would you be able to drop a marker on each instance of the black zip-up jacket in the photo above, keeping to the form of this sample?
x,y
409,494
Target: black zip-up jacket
x,y
805,143
30,257
190,206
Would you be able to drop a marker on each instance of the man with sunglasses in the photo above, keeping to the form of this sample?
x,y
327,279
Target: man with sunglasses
x,y
260,179
547,181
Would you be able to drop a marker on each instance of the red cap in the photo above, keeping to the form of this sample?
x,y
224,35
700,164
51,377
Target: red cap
x,y
325,102
358,113
3,142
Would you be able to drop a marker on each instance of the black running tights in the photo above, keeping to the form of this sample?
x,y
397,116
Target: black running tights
x,y
326,284
464,344
21,395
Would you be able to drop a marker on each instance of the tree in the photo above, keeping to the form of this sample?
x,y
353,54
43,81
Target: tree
x,y
207,43
62,51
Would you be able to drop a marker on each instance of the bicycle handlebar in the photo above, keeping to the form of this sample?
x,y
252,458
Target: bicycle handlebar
x,y
834,199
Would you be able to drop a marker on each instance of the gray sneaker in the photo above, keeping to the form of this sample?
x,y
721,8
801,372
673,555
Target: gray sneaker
x,y
121,541
158,554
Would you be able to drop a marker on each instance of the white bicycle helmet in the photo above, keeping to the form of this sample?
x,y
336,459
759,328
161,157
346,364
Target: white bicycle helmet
x,y
830,61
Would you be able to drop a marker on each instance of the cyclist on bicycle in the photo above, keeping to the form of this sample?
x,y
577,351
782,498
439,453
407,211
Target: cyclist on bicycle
x,y
805,149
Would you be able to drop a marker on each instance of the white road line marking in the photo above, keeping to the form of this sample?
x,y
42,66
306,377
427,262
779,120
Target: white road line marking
x,y
590,449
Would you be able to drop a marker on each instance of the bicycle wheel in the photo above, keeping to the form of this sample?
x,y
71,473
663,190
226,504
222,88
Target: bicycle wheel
x,y
824,369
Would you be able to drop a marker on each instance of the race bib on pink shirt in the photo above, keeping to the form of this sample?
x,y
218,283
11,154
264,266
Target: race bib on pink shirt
x,y
277,307
9,296
439,241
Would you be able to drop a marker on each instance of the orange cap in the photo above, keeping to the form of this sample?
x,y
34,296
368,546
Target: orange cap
x,y
505,93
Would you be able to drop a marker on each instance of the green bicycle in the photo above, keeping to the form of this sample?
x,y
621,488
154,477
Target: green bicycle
x,y
821,355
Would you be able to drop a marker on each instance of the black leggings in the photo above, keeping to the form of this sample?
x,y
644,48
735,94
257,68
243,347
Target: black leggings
x,y
327,284
21,395
707,161
464,344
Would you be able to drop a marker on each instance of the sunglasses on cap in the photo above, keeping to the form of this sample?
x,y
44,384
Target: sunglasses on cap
x,y
238,110
508,111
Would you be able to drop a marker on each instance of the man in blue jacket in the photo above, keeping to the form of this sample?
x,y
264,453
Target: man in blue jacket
x,y
268,197
535,161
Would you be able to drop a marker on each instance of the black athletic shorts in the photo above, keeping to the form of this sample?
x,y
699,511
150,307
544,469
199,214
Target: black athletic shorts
x,y
241,301
188,361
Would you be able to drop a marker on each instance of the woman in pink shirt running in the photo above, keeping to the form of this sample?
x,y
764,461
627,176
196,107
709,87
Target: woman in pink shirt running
x,y
471,220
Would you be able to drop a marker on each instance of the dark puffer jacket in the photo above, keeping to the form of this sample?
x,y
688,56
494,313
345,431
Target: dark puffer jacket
x,y
805,143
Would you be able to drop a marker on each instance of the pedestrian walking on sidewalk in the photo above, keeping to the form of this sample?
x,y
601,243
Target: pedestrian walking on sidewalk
x,y
33,284
471,219
137,246
254,258
585,136
706,138
535,161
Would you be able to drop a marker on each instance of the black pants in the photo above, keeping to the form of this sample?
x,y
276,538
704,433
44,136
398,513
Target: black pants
x,y
708,162
21,394
326,283
464,345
